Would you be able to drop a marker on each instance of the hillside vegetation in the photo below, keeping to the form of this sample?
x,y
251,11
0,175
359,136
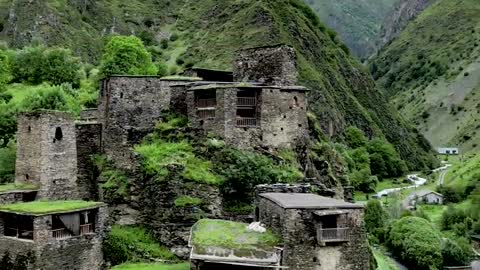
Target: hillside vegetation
x,y
207,33
431,73
358,22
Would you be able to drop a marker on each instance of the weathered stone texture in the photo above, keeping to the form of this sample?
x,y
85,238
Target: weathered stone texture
x,y
129,108
17,196
302,251
47,154
89,142
275,65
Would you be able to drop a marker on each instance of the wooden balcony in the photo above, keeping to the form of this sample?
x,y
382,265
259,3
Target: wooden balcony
x,y
246,122
86,229
333,235
17,233
246,101
207,113
61,234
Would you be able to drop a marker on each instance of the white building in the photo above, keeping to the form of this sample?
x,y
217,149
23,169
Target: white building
x,y
448,151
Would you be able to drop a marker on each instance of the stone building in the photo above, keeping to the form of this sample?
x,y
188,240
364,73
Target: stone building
x,y
316,232
53,235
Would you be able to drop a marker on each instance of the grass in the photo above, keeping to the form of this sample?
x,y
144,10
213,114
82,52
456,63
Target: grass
x,y
181,78
187,201
434,213
152,266
15,187
383,261
463,172
232,235
134,244
48,207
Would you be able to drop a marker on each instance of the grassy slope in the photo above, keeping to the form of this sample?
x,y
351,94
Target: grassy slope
x,y
342,93
357,21
209,33
432,73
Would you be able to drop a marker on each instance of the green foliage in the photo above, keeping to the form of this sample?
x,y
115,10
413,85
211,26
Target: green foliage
x,y
361,158
452,216
384,159
243,170
133,244
47,207
375,218
355,137
5,72
363,180
48,98
187,201
126,55
40,64
116,186
152,266
7,163
416,242
456,252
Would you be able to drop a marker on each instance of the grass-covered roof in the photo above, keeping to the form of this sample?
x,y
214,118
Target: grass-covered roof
x,y
17,187
39,208
231,235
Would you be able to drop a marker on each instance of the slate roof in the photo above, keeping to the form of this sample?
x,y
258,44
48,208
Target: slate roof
x,y
308,201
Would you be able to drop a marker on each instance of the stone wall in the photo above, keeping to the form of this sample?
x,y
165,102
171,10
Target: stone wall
x,y
284,117
275,65
89,142
129,108
302,251
47,154
17,196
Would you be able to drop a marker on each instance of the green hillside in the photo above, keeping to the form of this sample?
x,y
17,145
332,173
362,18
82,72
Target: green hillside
x,y
207,33
431,73
357,21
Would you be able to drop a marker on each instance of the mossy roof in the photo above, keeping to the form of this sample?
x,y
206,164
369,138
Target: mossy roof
x,y
181,78
41,208
219,85
7,188
231,235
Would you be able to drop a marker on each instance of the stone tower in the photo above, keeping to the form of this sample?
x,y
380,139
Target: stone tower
x,y
47,154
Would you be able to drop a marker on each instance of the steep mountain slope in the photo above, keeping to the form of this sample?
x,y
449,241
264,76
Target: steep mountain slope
x,y
432,72
357,21
207,33
402,13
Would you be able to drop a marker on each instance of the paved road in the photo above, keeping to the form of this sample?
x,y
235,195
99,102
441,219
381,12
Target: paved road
x,y
417,181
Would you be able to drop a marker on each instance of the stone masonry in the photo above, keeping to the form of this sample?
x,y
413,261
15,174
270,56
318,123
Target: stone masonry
x,y
47,154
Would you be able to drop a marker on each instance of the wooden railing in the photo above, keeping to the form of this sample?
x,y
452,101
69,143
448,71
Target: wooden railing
x,y
15,232
333,235
246,101
61,234
86,229
206,113
246,122
205,103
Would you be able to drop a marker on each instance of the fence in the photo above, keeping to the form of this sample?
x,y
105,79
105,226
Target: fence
x,y
246,122
61,234
206,113
246,101
333,235
86,229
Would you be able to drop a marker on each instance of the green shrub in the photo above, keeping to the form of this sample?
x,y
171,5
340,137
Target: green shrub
x,y
355,137
362,180
133,244
384,159
126,55
7,163
456,252
375,218
452,216
416,242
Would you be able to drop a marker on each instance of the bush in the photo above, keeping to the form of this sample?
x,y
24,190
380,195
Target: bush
x,y
450,195
384,159
133,244
126,55
375,217
5,73
452,216
456,252
355,137
416,242
7,163
362,180
40,64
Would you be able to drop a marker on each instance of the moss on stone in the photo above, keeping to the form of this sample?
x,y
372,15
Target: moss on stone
x,y
232,235
152,266
180,78
186,201
48,207
17,187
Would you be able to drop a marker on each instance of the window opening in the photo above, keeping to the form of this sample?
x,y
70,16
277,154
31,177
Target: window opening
x,y
18,226
246,108
58,134
206,103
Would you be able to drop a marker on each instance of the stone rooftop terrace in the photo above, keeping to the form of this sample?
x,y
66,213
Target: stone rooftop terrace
x,y
17,188
42,208
307,201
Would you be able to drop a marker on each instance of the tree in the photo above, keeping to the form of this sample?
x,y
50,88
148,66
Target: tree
x,y
362,180
456,252
40,64
5,72
355,137
384,159
375,217
452,216
126,55
416,242
360,157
